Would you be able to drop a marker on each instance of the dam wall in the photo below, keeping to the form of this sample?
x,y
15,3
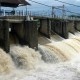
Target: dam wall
x,y
26,31
45,27
77,25
60,27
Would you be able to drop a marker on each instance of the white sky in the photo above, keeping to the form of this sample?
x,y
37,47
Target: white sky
x,y
54,3
39,8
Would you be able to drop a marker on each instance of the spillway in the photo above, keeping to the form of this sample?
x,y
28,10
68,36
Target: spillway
x,y
56,38
54,60
77,33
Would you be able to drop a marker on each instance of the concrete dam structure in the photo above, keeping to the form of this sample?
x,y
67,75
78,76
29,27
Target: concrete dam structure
x,y
26,31
37,47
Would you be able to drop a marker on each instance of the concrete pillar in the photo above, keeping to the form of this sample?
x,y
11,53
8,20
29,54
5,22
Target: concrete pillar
x,y
6,26
59,27
31,34
56,27
77,25
64,30
45,27
18,30
70,26
1,33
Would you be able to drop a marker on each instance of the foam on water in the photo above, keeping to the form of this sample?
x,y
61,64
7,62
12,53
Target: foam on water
x,y
62,50
61,71
56,38
73,44
6,63
25,57
77,33
47,55
43,40
71,35
47,64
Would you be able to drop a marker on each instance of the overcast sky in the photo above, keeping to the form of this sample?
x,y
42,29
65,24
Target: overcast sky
x,y
51,2
40,8
37,7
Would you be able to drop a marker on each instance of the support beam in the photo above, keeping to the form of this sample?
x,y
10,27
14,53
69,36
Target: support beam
x,y
64,30
77,25
59,27
6,26
45,27
31,34
70,26
18,31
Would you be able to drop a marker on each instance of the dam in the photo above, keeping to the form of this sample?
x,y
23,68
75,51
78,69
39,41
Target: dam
x,y
38,47
28,28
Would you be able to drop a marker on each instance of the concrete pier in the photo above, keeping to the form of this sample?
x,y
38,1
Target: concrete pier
x,y
31,34
45,27
27,31
71,26
77,25
6,26
60,27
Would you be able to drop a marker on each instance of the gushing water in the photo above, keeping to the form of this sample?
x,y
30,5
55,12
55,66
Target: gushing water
x,y
56,38
43,40
6,63
71,35
53,61
25,57
77,33
47,55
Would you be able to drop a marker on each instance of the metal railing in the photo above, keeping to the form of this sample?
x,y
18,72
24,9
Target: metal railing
x,y
12,12
32,13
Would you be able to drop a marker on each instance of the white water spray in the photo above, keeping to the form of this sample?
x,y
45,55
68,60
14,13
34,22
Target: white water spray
x,y
47,64
6,63
25,57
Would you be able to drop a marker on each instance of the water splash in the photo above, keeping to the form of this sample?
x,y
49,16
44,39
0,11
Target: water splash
x,y
56,38
47,55
77,33
71,35
25,57
61,71
30,65
43,40
6,63
66,49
